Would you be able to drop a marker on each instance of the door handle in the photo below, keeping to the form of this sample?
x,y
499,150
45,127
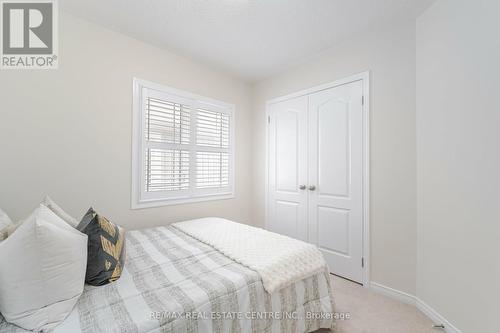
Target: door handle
x,y
302,187
312,188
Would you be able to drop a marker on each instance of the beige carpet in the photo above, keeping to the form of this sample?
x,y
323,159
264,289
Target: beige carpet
x,y
373,313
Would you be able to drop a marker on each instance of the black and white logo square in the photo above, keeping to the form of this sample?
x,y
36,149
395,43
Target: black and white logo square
x,y
29,34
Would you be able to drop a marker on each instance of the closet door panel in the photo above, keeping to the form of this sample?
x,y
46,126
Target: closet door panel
x,y
333,148
335,173
287,202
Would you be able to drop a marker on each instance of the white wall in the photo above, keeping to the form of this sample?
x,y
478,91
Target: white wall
x,y
389,53
67,132
458,119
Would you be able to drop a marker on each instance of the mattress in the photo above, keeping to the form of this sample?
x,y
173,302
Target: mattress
x,y
175,283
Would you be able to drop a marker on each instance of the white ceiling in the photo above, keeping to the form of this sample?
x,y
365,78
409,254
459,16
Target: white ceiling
x,y
250,39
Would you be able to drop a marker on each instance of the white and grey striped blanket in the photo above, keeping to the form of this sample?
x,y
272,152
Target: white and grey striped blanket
x,y
175,283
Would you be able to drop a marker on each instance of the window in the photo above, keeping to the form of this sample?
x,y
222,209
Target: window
x,y
183,147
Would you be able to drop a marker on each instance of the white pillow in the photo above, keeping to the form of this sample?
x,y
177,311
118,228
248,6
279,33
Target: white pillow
x,y
42,271
47,201
5,221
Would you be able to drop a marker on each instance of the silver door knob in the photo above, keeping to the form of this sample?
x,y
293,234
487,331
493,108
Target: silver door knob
x,y
312,188
302,187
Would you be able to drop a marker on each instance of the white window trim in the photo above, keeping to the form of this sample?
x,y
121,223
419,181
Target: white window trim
x,y
137,200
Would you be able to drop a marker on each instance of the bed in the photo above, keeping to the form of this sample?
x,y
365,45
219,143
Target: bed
x,y
173,282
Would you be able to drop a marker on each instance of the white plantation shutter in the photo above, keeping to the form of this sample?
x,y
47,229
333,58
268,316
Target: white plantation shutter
x,y
183,147
166,121
212,169
167,170
212,129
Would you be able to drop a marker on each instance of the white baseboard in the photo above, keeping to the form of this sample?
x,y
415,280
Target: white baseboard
x,y
406,298
435,316
393,293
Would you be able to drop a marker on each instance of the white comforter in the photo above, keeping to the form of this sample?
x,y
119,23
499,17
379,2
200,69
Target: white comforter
x,y
280,260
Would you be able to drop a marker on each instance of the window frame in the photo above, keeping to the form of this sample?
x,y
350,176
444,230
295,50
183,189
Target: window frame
x,y
142,199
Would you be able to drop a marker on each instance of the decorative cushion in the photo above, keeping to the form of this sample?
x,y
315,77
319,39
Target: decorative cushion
x,y
106,249
47,201
42,271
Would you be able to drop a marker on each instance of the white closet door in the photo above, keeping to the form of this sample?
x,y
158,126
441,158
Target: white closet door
x,y
287,202
335,177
